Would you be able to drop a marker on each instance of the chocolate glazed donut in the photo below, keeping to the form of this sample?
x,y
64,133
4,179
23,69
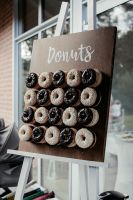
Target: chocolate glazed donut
x,y
38,135
54,115
31,80
66,136
88,77
58,78
43,97
85,116
71,96
28,115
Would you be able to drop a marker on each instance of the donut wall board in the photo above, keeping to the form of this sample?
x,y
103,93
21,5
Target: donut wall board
x,y
68,94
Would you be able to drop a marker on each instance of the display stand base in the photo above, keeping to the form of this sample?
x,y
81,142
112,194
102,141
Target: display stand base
x,y
88,174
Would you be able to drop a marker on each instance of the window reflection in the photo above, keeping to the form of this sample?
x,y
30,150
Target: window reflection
x,y
119,146
51,8
24,64
51,31
28,14
122,17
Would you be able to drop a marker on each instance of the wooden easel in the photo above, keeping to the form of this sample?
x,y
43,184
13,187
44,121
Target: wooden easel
x,y
88,170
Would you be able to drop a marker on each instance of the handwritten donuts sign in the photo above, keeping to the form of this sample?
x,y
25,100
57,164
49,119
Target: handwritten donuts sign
x,y
68,94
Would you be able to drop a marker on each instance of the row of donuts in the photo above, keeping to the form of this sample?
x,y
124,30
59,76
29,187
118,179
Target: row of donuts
x,y
57,116
73,78
70,97
68,137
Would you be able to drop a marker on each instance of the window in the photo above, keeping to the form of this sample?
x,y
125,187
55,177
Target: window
x,y
28,14
119,145
40,23
51,8
25,48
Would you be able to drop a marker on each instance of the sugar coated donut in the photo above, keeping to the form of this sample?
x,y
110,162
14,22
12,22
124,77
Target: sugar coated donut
x,y
30,97
98,78
43,97
91,77
73,78
41,115
55,116
32,80
88,116
88,96
58,78
25,132
57,96
52,135
38,134
28,115
45,79
95,118
84,138
70,116
67,137
71,97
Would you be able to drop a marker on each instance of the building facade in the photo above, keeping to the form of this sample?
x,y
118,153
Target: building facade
x,y
6,66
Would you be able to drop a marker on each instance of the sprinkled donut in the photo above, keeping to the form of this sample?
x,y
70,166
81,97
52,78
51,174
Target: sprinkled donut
x,y
71,97
41,115
52,135
55,116
73,78
28,115
88,116
91,77
70,116
57,96
38,135
67,137
30,97
84,138
43,97
45,79
59,78
32,80
25,132
88,96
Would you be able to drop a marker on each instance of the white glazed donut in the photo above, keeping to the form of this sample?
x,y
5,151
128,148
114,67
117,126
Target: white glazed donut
x,y
73,78
45,79
70,116
41,115
57,96
95,117
25,132
88,96
30,97
84,138
52,135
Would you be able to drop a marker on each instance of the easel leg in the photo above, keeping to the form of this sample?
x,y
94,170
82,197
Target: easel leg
x,y
74,181
83,182
23,178
93,183
39,171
